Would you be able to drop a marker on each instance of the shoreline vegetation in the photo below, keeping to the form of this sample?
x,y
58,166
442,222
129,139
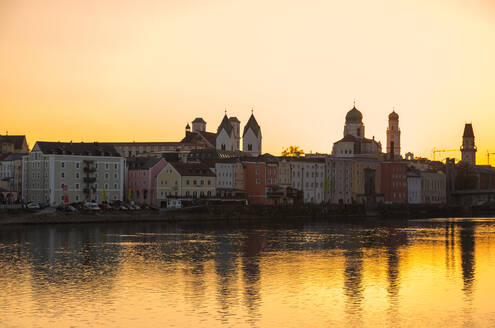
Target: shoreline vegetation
x,y
244,213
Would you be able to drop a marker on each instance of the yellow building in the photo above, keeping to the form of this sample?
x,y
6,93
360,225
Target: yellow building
x,y
185,180
366,179
284,175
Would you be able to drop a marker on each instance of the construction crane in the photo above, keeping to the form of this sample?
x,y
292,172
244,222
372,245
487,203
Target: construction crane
x,y
435,151
488,157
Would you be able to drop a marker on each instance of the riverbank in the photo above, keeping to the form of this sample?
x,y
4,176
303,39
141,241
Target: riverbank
x,y
237,213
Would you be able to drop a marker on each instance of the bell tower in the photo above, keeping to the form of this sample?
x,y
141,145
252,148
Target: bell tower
x,y
393,137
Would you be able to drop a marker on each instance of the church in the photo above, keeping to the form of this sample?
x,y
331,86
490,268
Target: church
x,y
354,143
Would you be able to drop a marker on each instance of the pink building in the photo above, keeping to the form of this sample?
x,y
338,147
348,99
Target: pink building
x,y
141,179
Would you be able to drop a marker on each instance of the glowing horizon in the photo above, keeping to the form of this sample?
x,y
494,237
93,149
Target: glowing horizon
x,y
126,71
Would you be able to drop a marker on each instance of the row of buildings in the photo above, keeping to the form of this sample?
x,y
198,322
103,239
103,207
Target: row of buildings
x,y
208,165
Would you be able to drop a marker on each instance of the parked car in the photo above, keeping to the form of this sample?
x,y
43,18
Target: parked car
x,y
90,206
105,207
33,206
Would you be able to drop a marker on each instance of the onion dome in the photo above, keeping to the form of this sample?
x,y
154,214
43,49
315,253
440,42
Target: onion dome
x,y
354,116
393,116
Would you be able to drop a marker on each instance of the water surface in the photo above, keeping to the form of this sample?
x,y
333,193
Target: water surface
x,y
431,273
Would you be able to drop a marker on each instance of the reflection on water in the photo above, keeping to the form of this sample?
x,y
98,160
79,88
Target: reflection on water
x,y
360,274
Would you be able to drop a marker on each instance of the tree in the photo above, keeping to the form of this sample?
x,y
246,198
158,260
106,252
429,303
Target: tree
x,y
292,151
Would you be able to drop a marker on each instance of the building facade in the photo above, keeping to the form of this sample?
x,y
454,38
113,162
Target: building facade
x,y
141,179
185,181
433,187
56,173
308,176
394,182
338,183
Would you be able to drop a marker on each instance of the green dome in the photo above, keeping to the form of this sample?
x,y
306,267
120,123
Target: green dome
x,y
354,116
393,116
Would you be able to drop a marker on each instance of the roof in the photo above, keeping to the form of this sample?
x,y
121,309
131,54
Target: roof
x,y
351,138
393,116
225,125
199,120
193,169
14,157
354,116
192,137
234,119
132,143
253,125
468,130
77,148
143,163
18,140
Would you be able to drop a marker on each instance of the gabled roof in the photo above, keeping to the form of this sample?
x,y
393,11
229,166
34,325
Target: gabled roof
x,y
18,141
253,125
193,169
143,163
225,125
468,130
193,137
79,148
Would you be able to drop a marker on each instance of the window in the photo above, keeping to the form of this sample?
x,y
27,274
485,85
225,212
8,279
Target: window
x,y
115,176
77,198
77,175
223,146
106,166
115,166
257,181
202,182
257,171
187,193
106,186
77,186
63,175
194,182
106,175
250,147
114,186
187,182
209,182
77,165
63,164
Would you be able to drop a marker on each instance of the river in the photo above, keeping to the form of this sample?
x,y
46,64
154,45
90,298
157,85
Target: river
x,y
417,273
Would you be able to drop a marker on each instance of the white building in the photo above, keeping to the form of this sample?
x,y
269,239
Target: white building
x,y
354,143
414,190
308,176
433,187
251,137
57,173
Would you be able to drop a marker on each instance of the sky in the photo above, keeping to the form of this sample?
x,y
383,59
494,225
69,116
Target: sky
x,y
121,70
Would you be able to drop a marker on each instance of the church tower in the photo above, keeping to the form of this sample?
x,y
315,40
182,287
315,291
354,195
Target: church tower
x,y
236,125
251,137
393,137
468,149
354,123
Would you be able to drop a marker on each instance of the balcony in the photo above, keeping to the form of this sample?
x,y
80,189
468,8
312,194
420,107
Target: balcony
x,y
89,169
89,179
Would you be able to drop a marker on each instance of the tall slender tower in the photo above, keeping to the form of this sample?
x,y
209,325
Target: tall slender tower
x,y
468,149
393,136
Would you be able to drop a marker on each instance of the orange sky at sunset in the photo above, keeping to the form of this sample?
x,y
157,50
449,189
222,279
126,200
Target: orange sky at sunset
x,y
140,70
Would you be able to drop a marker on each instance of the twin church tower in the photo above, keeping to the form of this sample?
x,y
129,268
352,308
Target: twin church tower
x,y
228,136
